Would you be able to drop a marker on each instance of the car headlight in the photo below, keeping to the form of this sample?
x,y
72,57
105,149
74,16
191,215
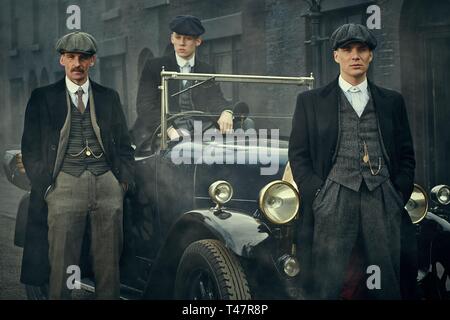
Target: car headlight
x,y
279,202
290,265
441,194
220,192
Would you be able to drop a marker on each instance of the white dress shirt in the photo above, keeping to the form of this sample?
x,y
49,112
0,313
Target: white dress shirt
x,y
358,96
185,65
73,88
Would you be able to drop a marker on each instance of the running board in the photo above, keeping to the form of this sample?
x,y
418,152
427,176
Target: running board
x,y
126,292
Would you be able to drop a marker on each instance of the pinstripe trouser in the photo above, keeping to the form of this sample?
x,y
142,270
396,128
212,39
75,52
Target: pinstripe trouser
x,y
70,202
340,216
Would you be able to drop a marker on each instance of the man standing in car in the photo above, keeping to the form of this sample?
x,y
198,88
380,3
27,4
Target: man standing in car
x,y
78,156
352,156
185,38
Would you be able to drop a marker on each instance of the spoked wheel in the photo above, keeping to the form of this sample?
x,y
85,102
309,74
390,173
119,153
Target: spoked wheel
x,y
209,271
201,286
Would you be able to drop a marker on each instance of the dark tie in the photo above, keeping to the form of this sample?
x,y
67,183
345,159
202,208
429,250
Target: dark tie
x,y
80,105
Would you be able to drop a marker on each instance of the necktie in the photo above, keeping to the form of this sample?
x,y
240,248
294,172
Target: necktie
x,y
186,69
80,104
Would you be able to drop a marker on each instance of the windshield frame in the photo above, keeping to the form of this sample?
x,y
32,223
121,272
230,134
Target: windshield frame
x,y
167,76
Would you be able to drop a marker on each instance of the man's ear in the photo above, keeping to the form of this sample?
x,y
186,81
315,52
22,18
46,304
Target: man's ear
x,y
93,60
335,56
61,60
198,41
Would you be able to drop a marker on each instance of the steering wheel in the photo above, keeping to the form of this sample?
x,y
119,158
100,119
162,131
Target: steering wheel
x,y
174,120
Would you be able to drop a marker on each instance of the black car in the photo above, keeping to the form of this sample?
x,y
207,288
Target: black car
x,y
211,216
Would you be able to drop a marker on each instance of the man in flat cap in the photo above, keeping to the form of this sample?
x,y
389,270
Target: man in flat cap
x,y
78,156
185,38
352,156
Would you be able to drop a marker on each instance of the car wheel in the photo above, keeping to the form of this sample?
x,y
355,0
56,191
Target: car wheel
x,y
209,271
37,293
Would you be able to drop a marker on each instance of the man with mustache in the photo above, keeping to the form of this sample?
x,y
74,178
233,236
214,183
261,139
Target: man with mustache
x,y
78,156
185,38
352,156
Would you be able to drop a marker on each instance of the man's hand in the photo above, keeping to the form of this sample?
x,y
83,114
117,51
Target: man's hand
x,y
172,133
225,122
19,163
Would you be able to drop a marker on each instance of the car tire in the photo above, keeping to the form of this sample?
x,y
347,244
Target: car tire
x,y
209,271
37,293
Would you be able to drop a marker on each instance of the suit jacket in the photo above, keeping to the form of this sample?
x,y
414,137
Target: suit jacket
x,y
313,145
44,142
207,97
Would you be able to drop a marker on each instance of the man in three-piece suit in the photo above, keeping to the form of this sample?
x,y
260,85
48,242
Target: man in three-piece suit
x,y
78,156
185,38
352,156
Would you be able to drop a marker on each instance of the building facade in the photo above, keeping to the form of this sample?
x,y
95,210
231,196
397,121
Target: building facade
x,y
264,37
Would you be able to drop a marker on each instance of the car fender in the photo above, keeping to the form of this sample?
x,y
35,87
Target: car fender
x,y
244,235
240,232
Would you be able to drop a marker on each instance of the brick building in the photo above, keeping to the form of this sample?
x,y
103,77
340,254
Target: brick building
x,y
265,37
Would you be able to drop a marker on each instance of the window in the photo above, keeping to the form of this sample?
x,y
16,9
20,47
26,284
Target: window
x,y
224,54
113,75
36,22
14,24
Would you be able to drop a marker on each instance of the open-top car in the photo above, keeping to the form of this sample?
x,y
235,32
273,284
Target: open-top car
x,y
211,216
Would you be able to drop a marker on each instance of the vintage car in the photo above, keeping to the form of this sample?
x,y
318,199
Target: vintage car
x,y
215,218
212,217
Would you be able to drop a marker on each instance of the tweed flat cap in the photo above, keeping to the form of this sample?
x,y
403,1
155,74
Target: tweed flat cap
x,y
187,25
78,42
349,33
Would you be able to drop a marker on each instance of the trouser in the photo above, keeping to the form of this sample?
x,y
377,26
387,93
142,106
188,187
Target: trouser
x,y
343,216
71,201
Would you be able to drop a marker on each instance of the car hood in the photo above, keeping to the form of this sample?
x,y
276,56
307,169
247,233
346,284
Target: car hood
x,y
247,167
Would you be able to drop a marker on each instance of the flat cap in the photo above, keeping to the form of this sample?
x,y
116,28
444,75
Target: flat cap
x,y
187,25
349,33
77,42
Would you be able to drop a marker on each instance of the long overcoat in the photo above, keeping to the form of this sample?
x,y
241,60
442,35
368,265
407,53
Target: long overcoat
x,y
312,149
46,129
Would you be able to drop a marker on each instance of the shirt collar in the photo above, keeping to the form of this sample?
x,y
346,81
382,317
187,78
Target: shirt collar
x,y
345,85
73,87
182,62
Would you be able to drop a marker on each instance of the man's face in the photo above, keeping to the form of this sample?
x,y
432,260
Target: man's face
x,y
185,45
354,60
77,66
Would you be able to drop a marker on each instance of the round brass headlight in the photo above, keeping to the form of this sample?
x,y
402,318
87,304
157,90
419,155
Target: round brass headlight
x,y
417,205
441,194
220,192
279,201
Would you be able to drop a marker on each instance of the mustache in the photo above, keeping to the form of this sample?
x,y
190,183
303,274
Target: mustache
x,y
78,69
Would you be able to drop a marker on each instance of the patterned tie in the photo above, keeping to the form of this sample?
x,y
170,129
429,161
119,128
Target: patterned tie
x,y
80,105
